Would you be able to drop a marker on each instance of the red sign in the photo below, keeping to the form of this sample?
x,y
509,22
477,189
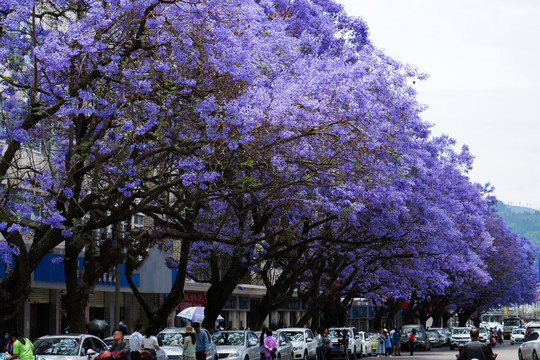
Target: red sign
x,y
192,298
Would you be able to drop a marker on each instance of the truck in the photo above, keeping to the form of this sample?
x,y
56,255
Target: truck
x,y
509,325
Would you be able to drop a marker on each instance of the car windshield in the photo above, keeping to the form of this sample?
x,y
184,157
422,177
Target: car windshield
x,y
57,346
518,331
229,338
170,339
294,335
482,331
432,333
511,322
337,333
459,331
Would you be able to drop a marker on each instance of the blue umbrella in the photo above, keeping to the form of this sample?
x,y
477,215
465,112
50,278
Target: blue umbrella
x,y
195,314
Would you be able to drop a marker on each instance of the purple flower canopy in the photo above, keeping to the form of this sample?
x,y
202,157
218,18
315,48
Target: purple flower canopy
x,y
252,128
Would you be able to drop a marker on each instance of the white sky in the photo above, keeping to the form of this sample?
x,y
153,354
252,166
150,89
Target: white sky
x,y
483,57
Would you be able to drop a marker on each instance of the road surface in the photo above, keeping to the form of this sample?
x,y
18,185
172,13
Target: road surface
x,y
504,351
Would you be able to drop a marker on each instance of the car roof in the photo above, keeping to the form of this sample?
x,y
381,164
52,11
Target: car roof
x,y
292,329
233,331
67,336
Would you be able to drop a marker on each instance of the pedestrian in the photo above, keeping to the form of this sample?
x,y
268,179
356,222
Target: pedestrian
x,y
345,342
396,340
388,343
23,349
123,327
261,342
475,349
203,343
380,343
189,344
135,342
8,346
412,339
270,345
327,345
150,342
119,343
320,345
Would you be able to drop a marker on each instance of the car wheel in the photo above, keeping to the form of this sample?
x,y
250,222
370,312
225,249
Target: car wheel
x,y
535,357
451,347
305,356
278,356
520,357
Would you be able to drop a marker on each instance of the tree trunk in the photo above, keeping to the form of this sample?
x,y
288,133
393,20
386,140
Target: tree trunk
x,y
219,291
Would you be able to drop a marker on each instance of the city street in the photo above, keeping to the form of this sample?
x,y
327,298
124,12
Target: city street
x,y
504,351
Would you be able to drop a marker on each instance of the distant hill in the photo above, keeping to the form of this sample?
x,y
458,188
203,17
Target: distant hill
x,y
523,221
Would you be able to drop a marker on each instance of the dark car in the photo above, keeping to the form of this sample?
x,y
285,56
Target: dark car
x,y
422,339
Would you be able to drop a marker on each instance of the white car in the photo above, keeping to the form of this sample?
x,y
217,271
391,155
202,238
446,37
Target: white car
x,y
357,343
460,336
171,341
68,347
517,336
237,345
365,340
484,334
530,348
284,347
303,341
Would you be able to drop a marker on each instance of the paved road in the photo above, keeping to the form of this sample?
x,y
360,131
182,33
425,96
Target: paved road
x,y
504,351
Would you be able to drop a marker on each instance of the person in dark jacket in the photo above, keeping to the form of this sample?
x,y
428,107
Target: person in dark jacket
x,y
119,342
475,349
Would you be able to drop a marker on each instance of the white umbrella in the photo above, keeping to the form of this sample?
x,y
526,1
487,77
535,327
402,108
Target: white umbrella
x,y
195,314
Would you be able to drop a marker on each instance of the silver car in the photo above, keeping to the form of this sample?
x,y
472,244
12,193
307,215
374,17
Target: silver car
x,y
530,349
68,347
171,340
237,345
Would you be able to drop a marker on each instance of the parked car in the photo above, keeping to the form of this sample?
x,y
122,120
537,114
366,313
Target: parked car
x,y
530,348
284,347
365,340
304,344
237,345
460,336
435,338
160,354
517,336
445,334
356,343
374,340
68,347
171,340
422,340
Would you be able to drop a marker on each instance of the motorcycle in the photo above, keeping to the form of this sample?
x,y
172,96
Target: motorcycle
x,y
493,340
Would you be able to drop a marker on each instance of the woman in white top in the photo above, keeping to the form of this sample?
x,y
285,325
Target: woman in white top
x,y
150,342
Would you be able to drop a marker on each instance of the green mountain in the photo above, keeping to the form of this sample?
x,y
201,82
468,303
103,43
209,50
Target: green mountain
x,y
523,221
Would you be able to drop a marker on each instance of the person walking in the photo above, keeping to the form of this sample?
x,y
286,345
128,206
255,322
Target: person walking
x,y
189,344
319,351
23,349
123,327
345,342
380,343
327,345
119,343
261,342
396,340
203,343
270,345
135,342
412,339
475,349
387,343
150,342
10,340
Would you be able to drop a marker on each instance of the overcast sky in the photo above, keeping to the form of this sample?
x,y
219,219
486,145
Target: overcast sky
x,y
483,57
